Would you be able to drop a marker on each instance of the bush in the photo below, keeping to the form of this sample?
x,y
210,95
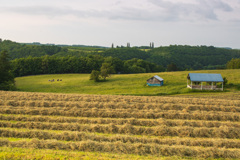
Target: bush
x,y
225,80
95,75
7,86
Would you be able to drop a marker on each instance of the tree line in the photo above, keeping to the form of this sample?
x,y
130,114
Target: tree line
x,y
71,64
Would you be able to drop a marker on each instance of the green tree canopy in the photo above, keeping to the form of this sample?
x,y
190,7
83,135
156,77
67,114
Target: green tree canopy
x,y
233,64
172,67
95,75
6,76
106,70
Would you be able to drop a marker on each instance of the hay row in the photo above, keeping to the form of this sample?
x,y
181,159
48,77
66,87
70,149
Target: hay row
x,y
74,112
114,98
118,147
83,136
221,132
121,105
132,121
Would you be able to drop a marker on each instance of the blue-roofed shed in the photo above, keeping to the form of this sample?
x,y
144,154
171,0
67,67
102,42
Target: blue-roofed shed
x,y
155,81
205,81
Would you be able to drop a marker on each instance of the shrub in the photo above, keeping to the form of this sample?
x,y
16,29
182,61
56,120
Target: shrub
x,y
95,75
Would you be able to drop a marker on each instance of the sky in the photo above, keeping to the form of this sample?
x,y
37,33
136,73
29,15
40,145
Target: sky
x,y
138,22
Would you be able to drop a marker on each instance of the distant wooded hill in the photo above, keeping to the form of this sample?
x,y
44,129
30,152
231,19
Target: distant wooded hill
x,y
193,57
184,57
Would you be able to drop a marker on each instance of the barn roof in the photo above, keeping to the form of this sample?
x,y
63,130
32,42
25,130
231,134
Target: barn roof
x,y
205,77
159,78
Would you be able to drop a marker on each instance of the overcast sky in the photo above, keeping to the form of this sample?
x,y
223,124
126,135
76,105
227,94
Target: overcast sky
x,y
139,22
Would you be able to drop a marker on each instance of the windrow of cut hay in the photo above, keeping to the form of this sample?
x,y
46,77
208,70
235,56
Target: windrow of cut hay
x,y
221,132
123,113
121,105
120,121
50,97
119,147
207,127
84,136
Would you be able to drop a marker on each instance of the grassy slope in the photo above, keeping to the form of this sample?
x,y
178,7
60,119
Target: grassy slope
x,y
48,154
132,84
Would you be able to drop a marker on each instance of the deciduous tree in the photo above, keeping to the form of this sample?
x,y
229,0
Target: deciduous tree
x,y
6,76
106,70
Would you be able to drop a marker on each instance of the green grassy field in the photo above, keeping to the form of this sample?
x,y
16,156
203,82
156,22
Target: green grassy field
x,y
118,84
48,154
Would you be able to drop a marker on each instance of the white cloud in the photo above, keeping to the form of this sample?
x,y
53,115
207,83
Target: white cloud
x,y
136,21
144,10
197,10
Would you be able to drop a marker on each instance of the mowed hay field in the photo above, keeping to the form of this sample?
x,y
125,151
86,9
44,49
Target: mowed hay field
x,y
72,126
120,84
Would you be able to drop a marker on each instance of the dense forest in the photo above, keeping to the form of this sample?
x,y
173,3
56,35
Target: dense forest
x,y
193,57
31,59
184,57
17,50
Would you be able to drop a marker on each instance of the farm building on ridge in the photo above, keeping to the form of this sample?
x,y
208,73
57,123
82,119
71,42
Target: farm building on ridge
x,y
205,81
155,81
